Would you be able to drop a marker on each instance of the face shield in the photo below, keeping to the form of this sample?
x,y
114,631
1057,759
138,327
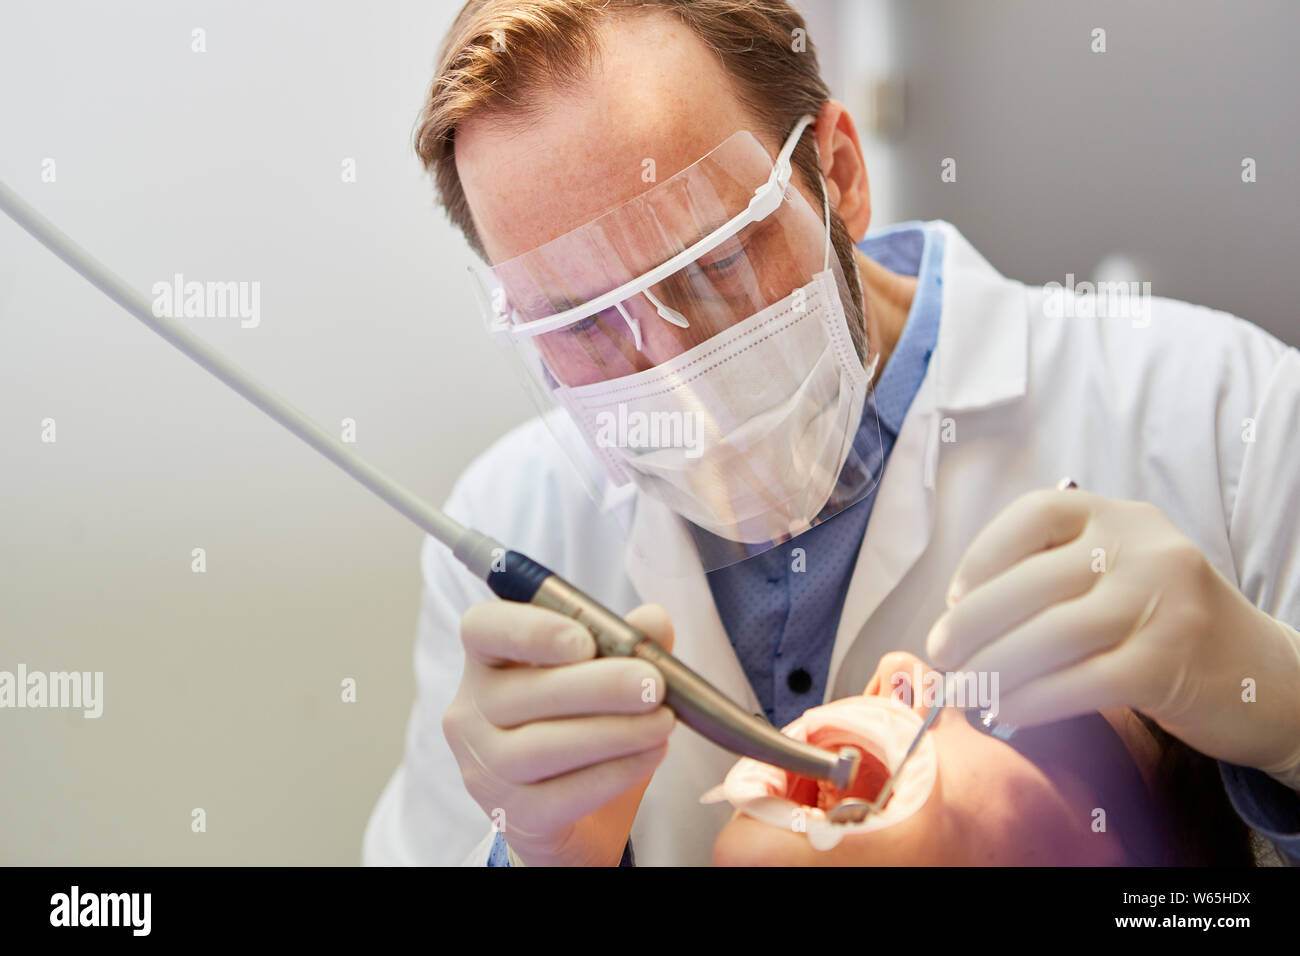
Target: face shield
x,y
697,336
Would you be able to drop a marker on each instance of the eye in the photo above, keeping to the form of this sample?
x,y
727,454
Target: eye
x,y
722,265
582,326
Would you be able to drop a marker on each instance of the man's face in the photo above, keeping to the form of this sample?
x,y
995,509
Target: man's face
x,y
990,805
656,93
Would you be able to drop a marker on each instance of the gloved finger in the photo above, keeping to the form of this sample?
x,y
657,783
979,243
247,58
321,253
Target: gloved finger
x,y
550,805
547,748
1058,638
994,608
1095,683
653,621
1033,522
498,633
607,685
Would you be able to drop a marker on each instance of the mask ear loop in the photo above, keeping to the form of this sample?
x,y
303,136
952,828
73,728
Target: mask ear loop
x,y
826,212
826,264
826,203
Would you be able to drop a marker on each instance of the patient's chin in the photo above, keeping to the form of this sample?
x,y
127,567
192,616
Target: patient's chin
x,y
745,841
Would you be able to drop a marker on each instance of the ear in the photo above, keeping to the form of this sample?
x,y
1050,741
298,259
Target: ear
x,y
844,168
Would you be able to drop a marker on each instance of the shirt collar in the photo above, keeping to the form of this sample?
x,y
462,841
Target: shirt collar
x,y
908,248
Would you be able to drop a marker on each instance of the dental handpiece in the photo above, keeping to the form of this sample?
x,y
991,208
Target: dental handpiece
x,y
511,575
697,703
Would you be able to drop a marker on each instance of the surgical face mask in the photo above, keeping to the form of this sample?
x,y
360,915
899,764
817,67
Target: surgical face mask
x,y
882,728
697,338
764,415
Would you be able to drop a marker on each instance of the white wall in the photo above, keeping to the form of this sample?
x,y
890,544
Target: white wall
x,y
222,690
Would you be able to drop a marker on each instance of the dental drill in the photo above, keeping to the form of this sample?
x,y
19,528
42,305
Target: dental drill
x,y
511,575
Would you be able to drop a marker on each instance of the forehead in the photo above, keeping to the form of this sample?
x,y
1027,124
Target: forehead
x,y
656,95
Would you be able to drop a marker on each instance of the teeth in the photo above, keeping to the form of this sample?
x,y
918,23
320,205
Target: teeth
x,y
828,795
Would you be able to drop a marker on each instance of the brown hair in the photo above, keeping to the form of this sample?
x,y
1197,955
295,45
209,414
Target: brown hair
x,y
497,51
1204,826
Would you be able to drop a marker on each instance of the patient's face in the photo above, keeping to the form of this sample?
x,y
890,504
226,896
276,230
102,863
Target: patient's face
x,y
990,806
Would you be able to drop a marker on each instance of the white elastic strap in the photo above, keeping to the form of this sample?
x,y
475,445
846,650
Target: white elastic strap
x,y
826,204
826,264
826,211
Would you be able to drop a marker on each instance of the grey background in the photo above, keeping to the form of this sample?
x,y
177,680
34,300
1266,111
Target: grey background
x,y
1065,156
222,689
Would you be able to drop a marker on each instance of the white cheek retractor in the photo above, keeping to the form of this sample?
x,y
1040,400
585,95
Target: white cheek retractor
x,y
883,728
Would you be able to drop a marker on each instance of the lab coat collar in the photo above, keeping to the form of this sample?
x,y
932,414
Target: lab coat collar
x,y
982,355
980,360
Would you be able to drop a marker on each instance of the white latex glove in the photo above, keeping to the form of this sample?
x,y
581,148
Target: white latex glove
x,y
553,743
1082,603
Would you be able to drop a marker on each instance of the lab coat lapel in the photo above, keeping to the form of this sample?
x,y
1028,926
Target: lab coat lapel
x,y
671,827
980,360
900,524
665,569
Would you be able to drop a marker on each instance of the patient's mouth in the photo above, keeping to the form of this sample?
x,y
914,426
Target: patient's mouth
x,y
823,794
880,730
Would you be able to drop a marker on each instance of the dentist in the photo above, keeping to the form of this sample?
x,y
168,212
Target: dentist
x,y
672,216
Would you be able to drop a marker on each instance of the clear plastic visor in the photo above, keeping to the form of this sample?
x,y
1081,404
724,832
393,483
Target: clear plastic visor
x,y
704,343
663,273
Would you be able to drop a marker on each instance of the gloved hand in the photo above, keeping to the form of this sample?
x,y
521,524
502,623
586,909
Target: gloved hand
x,y
552,742
1082,603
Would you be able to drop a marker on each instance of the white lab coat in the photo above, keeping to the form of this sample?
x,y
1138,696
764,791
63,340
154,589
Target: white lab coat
x,y
1197,412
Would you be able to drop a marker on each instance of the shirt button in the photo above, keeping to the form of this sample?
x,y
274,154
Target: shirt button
x,y
799,681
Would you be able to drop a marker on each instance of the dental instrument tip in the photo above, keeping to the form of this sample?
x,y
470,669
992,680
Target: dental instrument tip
x,y
849,810
846,767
